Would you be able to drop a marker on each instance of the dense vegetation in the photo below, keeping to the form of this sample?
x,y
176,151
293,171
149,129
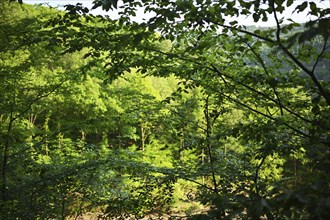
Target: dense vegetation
x,y
185,115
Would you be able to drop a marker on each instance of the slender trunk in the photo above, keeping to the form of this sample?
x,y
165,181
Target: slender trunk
x,y
32,118
212,168
142,137
203,161
83,135
46,128
63,208
5,157
295,171
256,177
182,145
208,144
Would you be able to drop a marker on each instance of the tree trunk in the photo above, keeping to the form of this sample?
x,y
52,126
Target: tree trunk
x,y
5,160
208,143
142,137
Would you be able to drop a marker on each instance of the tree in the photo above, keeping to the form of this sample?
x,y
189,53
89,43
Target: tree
x,y
40,155
56,119
248,68
267,76
19,89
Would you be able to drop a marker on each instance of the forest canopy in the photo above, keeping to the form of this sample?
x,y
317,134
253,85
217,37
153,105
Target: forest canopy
x,y
186,115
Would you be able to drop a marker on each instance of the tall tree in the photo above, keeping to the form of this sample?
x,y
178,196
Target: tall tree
x,y
268,76
259,70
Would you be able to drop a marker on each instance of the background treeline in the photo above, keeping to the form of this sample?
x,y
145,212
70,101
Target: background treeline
x,y
126,120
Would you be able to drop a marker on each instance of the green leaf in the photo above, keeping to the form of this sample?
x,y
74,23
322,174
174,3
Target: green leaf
x,y
289,3
232,23
212,10
312,6
264,16
106,4
301,7
290,19
256,17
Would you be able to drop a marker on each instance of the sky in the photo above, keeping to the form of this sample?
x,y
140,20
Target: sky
x,y
300,17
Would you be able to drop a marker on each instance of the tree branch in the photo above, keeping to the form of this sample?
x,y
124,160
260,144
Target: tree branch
x,y
260,93
267,73
263,114
294,59
324,48
256,177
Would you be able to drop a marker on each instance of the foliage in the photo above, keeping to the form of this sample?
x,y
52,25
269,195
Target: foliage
x,y
239,115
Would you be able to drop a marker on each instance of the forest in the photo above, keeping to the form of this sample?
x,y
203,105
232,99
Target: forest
x,y
188,114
